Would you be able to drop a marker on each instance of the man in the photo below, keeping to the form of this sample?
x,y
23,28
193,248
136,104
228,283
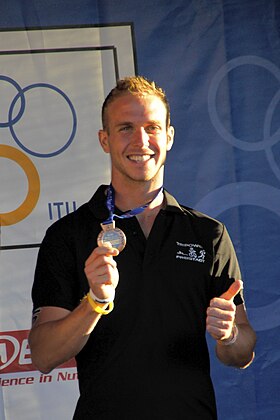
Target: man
x,y
134,310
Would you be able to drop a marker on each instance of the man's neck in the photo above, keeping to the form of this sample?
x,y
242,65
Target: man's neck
x,y
137,195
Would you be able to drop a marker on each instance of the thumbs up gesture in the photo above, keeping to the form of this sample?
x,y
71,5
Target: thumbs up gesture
x,y
221,313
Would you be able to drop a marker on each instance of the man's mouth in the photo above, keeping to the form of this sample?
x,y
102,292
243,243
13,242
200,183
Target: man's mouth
x,y
139,158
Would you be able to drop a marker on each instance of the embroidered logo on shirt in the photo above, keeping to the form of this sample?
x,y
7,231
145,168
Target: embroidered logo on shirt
x,y
190,252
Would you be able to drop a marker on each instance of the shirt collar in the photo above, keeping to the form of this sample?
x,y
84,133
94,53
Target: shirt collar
x,y
97,203
171,203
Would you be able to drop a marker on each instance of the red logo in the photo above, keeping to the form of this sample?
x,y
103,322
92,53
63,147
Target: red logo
x,y
15,355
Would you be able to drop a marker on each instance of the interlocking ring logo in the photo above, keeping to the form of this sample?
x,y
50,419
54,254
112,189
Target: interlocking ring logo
x,y
15,113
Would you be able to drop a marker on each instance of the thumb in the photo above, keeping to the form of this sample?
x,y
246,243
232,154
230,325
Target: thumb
x,y
232,291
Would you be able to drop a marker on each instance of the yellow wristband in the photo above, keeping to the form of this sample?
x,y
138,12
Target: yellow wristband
x,y
97,308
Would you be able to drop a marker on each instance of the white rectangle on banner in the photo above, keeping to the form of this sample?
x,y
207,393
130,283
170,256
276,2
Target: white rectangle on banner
x,y
62,93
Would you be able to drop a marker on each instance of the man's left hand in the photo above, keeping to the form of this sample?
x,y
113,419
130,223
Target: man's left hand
x,y
221,313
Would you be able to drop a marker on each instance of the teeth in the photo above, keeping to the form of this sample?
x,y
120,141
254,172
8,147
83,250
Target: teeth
x,y
139,158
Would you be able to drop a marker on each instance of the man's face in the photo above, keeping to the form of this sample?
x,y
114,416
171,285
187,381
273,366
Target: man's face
x,y
137,138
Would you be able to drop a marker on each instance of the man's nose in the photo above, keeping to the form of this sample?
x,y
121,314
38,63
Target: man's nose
x,y
141,137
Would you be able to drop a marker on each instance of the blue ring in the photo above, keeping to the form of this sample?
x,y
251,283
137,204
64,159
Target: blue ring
x,y
22,105
72,135
212,96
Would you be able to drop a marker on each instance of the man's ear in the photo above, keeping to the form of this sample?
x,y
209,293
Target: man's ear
x,y
170,137
103,140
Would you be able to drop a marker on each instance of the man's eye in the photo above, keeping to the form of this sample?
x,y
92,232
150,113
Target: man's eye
x,y
153,129
125,128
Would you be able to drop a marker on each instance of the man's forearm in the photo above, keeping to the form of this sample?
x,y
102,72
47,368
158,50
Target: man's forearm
x,y
56,341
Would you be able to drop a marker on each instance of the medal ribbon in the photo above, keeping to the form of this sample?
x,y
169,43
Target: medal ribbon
x,y
110,202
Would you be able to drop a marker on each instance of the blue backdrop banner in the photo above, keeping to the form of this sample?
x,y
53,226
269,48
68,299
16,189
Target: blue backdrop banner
x,y
219,62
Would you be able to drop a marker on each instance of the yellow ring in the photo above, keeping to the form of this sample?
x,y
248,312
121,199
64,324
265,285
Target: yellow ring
x,y
33,193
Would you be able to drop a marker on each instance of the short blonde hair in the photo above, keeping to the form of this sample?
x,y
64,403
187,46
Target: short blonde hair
x,y
136,85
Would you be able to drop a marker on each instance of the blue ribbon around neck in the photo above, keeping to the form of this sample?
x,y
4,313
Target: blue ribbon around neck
x,y
110,203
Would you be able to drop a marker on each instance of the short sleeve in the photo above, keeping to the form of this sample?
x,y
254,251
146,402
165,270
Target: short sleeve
x,y
226,268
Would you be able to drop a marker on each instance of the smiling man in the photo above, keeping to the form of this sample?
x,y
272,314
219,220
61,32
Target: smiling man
x,y
134,309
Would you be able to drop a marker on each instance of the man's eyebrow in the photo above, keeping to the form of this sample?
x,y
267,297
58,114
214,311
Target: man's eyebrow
x,y
155,122
150,122
120,123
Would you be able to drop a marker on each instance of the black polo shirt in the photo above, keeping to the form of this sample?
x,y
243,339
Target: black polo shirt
x,y
148,358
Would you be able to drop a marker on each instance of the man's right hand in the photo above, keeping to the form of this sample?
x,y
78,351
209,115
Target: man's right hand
x,y
101,271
